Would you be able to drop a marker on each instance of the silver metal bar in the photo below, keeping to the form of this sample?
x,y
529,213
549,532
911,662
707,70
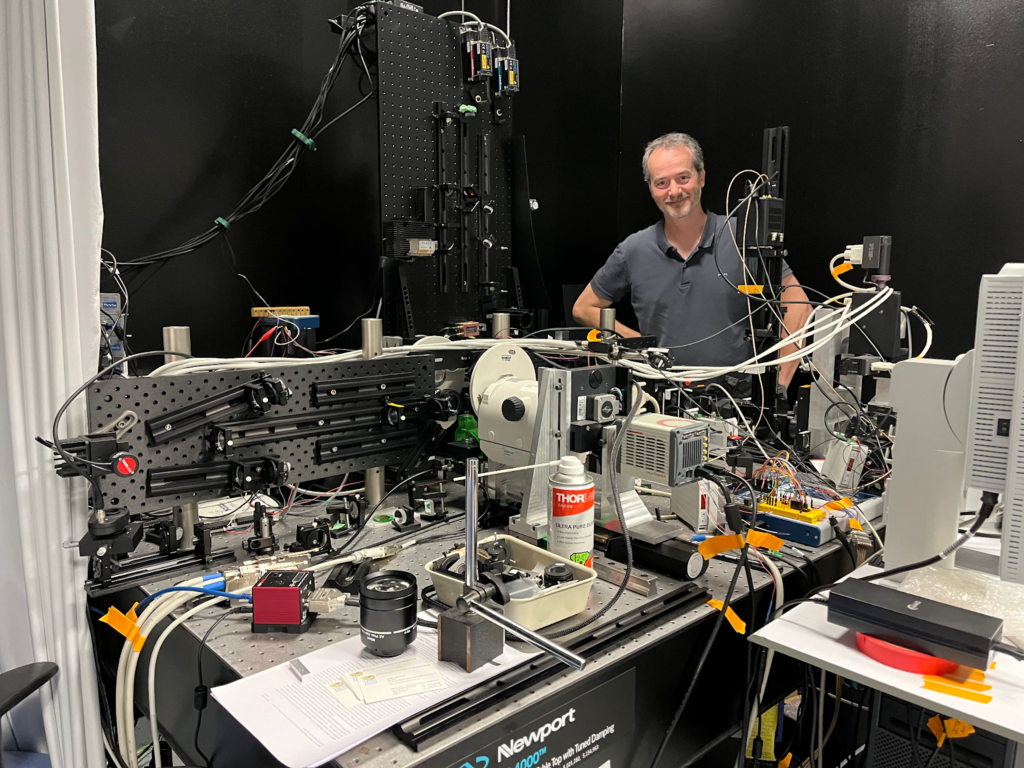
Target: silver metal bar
x,y
645,584
185,517
373,337
471,522
177,338
501,325
606,321
560,653
373,346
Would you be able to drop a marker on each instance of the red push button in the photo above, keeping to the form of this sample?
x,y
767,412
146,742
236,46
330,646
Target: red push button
x,y
124,464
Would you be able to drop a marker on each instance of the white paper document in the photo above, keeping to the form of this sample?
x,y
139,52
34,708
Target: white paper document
x,y
349,696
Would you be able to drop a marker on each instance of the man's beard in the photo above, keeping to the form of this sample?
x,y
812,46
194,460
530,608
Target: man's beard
x,y
679,212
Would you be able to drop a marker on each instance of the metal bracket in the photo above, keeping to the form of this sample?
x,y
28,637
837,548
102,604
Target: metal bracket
x,y
256,396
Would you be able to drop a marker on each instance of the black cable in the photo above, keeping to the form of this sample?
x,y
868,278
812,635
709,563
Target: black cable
x,y
201,691
617,500
358,317
97,501
796,736
285,165
105,715
369,515
988,504
915,733
705,474
750,491
790,603
797,566
856,728
843,540
429,597
703,657
815,703
1009,650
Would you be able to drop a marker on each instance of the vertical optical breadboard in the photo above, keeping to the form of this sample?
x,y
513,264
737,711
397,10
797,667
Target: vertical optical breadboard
x,y
995,440
420,68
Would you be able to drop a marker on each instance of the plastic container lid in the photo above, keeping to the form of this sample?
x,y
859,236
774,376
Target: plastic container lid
x,y
898,657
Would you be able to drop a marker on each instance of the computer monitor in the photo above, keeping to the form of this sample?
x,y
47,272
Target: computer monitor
x,y
994,459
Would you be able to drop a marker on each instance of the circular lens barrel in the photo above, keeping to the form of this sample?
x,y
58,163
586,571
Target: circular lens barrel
x,y
387,612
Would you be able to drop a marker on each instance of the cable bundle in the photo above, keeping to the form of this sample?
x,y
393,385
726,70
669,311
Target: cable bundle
x,y
284,166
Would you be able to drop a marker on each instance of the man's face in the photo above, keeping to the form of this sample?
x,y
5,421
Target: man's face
x,y
675,184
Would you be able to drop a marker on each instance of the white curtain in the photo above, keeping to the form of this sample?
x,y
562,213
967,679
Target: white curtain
x,y
51,218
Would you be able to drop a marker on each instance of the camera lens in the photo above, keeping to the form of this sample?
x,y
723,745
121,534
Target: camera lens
x,y
557,573
387,612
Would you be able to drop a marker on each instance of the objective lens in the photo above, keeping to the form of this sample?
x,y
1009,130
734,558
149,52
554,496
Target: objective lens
x,y
387,612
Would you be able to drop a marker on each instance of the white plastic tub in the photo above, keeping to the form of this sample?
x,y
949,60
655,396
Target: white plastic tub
x,y
548,607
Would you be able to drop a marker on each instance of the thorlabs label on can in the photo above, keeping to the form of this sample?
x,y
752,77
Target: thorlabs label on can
x,y
571,528
574,500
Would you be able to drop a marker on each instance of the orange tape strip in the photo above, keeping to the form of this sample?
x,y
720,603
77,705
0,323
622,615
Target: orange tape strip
x,y
751,289
764,540
952,690
855,524
967,685
594,335
731,616
126,625
844,267
784,762
935,725
958,729
716,545
965,673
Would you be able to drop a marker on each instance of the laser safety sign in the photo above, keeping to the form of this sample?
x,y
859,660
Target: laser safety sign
x,y
594,730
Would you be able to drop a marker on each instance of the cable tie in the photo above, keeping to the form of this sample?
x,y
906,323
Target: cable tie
x,y
308,142
222,222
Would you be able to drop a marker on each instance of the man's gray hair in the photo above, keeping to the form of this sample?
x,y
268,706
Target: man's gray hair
x,y
673,141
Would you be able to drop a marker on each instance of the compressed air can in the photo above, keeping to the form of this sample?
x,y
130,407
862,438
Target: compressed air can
x,y
571,512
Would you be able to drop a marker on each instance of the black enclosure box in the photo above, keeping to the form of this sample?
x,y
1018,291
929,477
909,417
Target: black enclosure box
x,y
879,332
946,631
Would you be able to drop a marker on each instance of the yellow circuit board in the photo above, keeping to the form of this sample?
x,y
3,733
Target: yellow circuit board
x,y
784,509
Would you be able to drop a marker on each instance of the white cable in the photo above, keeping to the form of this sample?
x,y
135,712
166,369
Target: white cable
x,y
646,397
750,429
511,469
123,708
148,624
473,16
109,749
854,288
927,340
153,729
846,320
910,332
827,326
780,598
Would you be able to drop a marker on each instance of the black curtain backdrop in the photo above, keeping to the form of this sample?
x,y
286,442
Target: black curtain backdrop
x,y
907,119
196,101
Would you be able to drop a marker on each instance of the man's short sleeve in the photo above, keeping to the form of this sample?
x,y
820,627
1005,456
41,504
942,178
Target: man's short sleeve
x,y
786,271
612,280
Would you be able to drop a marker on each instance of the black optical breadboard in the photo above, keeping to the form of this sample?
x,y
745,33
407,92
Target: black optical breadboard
x,y
148,397
419,65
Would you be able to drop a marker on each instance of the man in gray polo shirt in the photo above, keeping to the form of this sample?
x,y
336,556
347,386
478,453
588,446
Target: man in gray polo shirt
x,y
670,272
